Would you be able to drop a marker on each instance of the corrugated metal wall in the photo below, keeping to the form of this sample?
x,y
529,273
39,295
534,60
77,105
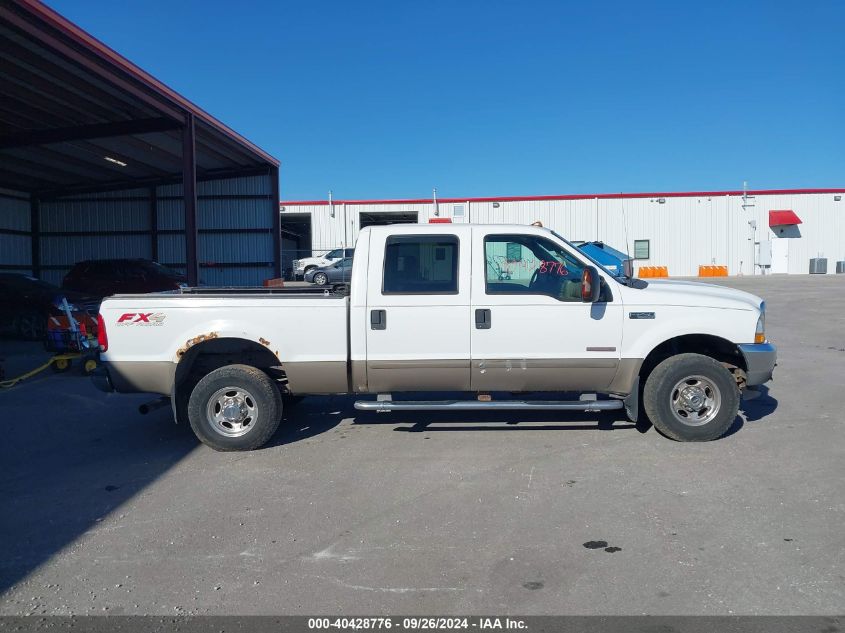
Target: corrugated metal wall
x,y
15,240
235,226
684,232
234,223
93,226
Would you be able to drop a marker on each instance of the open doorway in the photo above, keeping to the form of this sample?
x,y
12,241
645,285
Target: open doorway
x,y
380,218
296,240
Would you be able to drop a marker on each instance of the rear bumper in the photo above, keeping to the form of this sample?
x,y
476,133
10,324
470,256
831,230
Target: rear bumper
x,y
760,360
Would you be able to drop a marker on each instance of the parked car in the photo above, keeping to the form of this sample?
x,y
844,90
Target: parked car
x,y
104,277
26,303
612,259
427,313
337,273
307,264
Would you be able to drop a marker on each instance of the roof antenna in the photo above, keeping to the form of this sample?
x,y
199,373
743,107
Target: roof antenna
x,y
434,201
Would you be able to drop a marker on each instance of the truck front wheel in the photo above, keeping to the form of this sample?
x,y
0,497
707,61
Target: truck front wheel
x,y
691,398
235,408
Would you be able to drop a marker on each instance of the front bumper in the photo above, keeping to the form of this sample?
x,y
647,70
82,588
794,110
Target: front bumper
x,y
760,361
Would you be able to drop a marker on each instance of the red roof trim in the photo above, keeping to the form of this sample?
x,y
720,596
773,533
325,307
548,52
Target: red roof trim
x,y
600,196
89,42
783,217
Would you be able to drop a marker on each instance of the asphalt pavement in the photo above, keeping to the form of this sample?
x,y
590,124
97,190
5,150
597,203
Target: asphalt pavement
x,y
103,510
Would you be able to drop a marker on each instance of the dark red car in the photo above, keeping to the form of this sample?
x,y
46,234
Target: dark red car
x,y
26,303
104,277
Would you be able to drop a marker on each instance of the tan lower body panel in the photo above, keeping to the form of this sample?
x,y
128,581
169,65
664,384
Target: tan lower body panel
x,y
142,376
317,377
576,374
418,375
623,381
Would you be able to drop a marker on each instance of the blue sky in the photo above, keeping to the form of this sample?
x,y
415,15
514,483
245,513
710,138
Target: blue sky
x,y
381,99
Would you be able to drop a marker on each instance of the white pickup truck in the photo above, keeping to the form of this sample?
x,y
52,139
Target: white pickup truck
x,y
302,267
484,312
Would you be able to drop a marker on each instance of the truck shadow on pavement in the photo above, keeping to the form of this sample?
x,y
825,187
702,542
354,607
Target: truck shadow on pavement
x,y
72,465
318,415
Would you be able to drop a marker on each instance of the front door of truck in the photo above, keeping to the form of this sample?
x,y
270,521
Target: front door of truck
x,y
418,310
531,331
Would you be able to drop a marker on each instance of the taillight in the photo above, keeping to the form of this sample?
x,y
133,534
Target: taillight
x,y
102,336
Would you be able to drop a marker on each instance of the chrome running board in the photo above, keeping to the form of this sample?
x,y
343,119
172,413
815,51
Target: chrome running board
x,y
385,406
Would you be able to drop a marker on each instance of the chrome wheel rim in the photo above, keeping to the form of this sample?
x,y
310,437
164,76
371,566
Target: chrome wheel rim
x,y
28,326
320,279
695,400
232,411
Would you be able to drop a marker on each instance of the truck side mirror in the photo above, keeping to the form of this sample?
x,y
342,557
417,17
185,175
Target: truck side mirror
x,y
590,285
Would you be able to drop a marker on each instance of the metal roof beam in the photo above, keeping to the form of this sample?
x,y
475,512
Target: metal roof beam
x,y
83,60
87,132
45,192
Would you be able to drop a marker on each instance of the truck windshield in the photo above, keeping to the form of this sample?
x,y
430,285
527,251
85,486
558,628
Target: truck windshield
x,y
617,275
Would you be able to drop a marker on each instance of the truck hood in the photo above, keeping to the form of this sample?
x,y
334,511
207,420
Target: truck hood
x,y
695,294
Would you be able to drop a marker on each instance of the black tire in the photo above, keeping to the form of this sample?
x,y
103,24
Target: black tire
x,y
691,398
61,366
251,396
321,279
89,365
31,326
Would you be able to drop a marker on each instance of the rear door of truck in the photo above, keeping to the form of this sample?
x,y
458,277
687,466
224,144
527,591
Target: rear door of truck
x,y
418,309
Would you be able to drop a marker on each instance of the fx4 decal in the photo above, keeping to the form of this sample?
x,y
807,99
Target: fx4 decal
x,y
141,318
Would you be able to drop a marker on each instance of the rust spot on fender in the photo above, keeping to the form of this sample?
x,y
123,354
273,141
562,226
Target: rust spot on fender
x,y
195,341
264,341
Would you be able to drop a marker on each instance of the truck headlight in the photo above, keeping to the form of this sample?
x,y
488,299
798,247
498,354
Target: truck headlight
x,y
760,332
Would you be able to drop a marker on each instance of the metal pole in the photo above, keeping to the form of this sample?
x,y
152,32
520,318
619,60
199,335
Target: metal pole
x,y
189,195
35,235
345,224
277,222
597,220
434,199
154,224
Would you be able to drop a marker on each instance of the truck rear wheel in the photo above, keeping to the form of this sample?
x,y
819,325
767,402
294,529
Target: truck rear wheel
x,y
691,398
235,408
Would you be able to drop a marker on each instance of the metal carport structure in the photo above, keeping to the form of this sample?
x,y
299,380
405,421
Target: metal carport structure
x,y
97,155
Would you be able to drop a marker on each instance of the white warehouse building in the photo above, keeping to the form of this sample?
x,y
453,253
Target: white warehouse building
x,y
750,232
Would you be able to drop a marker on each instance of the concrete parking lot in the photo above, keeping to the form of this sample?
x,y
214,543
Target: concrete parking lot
x,y
103,510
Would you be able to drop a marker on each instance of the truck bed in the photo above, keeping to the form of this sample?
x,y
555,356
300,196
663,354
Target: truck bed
x,y
306,332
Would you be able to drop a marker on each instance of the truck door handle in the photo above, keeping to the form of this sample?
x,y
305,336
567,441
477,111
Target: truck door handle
x,y
378,319
482,319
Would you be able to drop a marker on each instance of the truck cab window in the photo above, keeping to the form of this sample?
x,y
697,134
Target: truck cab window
x,y
421,264
528,264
